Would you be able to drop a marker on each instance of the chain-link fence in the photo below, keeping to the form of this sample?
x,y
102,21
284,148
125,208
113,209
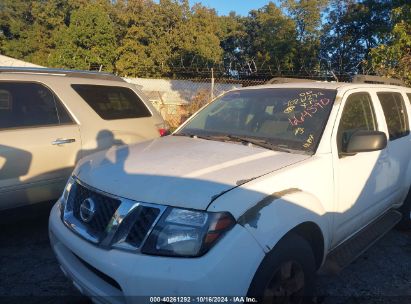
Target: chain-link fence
x,y
178,99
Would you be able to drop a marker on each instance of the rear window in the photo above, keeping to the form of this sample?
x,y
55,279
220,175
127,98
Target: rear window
x,y
112,102
395,114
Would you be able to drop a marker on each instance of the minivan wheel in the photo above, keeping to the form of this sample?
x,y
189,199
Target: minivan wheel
x,y
287,273
405,209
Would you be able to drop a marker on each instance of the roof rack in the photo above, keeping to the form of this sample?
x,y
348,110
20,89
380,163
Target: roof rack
x,y
377,80
278,80
62,72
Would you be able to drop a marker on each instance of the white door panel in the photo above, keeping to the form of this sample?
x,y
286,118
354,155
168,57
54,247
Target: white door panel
x,y
362,188
361,179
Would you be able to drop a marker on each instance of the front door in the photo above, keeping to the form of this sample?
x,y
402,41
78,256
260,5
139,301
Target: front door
x,y
39,143
360,179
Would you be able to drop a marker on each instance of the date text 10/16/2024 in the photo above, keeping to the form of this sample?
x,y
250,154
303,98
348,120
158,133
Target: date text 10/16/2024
x,y
205,299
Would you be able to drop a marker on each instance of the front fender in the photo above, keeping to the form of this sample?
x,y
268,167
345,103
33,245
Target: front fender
x,y
271,206
274,216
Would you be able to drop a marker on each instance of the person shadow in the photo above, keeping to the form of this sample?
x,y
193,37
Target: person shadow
x,y
105,140
15,164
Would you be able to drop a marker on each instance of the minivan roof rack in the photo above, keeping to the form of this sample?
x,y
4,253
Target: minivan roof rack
x,y
62,72
377,80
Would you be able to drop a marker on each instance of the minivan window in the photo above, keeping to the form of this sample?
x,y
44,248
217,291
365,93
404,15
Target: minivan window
x,y
29,105
111,102
358,115
395,114
291,118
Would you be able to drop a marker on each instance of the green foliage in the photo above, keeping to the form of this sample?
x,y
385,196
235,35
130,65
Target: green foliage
x,y
170,34
307,17
394,58
271,37
232,36
88,40
157,38
353,28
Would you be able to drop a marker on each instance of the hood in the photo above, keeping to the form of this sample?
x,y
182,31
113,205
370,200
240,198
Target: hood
x,y
179,171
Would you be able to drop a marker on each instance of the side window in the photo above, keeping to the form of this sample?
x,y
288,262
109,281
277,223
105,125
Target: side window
x,y
409,96
358,115
64,116
111,102
29,105
395,114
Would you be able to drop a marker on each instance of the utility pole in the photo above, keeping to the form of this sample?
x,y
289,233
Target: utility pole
x,y
212,84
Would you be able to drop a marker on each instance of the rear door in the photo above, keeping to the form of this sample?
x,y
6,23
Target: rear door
x,y
399,145
124,117
39,144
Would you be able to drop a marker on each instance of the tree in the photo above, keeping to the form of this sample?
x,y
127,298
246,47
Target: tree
x,y
394,58
88,40
340,50
15,21
29,27
352,30
271,38
196,40
166,36
134,53
233,37
307,17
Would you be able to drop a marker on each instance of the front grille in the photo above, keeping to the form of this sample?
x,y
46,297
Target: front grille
x,y
145,219
105,207
109,221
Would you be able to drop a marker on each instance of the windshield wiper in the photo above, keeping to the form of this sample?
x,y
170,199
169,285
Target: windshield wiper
x,y
263,143
202,136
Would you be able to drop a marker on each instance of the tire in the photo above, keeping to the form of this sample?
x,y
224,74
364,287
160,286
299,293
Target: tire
x,y
291,256
405,209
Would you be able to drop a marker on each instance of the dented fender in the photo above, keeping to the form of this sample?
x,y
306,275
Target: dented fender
x,y
277,214
274,215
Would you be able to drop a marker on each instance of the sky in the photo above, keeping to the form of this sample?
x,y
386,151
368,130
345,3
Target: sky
x,y
241,7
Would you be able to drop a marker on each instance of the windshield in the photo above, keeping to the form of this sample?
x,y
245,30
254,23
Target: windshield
x,y
284,118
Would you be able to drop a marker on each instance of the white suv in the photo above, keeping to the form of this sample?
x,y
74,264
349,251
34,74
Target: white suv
x,y
252,196
50,118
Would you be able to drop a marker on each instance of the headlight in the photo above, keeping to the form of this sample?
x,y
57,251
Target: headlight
x,y
64,197
187,233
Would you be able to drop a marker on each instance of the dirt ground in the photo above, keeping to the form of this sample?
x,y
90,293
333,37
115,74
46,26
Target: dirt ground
x,y
29,272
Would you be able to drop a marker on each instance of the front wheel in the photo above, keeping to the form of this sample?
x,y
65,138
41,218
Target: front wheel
x,y
286,274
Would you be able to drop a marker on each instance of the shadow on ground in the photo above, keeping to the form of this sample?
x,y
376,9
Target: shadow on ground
x,y
29,272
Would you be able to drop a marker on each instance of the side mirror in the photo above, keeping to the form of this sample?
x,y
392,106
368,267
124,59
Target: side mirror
x,y
366,141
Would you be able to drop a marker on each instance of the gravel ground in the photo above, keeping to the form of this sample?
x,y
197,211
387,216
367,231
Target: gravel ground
x,y
29,272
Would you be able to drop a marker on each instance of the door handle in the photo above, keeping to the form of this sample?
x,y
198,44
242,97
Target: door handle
x,y
62,141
